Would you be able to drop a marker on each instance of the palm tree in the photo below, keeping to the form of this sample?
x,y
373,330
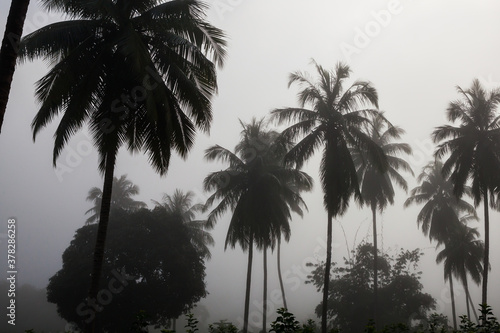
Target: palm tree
x,y
336,122
9,50
260,194
138,73
376,188
439,215
181,204
462,256
271,148
121,197
473,152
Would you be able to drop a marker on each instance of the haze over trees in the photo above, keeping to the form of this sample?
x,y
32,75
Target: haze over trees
x,y
260,192
336,122
166,278
161,56
401,296
140,76
472,148
376,187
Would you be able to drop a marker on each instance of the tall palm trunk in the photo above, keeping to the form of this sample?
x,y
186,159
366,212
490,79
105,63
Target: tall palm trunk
x,y
375,265
249,281
469,299
466,287
9,50
279,274
486,262
264,297
102,227
328,264
453,303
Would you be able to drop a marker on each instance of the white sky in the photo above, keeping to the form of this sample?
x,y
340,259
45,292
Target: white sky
x,y
415,53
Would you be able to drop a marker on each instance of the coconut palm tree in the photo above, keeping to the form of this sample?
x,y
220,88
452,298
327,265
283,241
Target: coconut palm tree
x,y
438,216
139,73
9,50
335,121
462,256
121,197
473,152
260,194
181,204
377,188
268,145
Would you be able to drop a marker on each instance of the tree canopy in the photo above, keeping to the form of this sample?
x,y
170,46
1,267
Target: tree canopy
x,y
351,289
149,264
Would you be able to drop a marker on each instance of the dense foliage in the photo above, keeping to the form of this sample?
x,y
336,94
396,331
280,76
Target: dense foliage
x,y
150,264
350,299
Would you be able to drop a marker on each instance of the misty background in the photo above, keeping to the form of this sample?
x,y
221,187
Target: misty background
x,y
414,52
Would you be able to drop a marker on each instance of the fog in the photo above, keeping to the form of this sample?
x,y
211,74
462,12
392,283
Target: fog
x,y
414,52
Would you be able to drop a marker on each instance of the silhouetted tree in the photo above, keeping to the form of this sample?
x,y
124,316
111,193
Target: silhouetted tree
x,y
10,49
165,278
181,204
349,300
121,198
260,192
336,122
462,256
439,217
139,73
377,188
473,152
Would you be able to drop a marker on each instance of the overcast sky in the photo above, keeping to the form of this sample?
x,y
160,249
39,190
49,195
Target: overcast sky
x,y
414,52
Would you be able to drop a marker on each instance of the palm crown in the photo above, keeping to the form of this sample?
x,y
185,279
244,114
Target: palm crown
x,y
472,148
441,209
376,187
336,121
130,69
181,204
123,191
256,187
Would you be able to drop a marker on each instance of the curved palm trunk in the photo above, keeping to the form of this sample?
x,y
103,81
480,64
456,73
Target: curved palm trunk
x,y
486,261
470,300
102,228
453,303
328,264
10,49
264,297
249,281
279,274
375,266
